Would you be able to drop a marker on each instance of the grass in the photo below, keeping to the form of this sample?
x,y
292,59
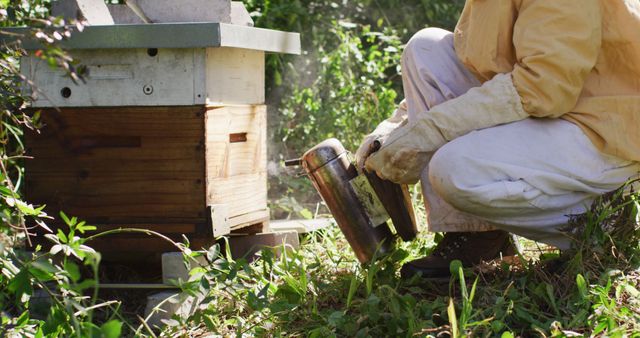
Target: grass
x,y
321,290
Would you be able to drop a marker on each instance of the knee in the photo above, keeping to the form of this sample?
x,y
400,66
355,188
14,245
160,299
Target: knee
x,y
450,177
425,39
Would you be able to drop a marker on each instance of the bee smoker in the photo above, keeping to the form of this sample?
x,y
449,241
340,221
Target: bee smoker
x,y
361,204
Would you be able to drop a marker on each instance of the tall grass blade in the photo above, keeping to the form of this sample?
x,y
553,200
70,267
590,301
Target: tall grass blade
x,y
453,320
353,287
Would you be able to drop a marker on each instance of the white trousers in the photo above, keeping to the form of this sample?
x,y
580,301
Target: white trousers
x,y
525,177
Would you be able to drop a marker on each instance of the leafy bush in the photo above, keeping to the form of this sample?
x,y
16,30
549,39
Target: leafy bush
x,y
346,81
41,293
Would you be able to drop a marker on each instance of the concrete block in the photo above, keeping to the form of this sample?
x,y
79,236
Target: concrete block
x,y
186,10
174,268
123,15
302,226
248,245
240,15
91,12
164,305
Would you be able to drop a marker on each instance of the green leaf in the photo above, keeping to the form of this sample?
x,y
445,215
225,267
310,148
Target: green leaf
x,y
507,335
335,318
454,267
82,227
600,327
85,284
552,299
111,329
62,237
42,270
353,287
306,214
26,208
277,78
453,321
73,270
582,286
20,284
6,192
39,333
23,319
65,218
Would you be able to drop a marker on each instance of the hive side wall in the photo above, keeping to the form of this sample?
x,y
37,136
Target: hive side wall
x,y
121,166
122,77
236,152
235,76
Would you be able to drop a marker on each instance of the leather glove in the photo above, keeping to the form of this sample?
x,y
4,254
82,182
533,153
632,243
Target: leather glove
x,y
406,150
398,117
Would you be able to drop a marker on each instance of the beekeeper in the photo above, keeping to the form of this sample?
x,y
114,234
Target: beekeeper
x,y
521,117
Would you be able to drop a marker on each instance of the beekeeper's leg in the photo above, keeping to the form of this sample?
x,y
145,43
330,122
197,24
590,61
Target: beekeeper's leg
x,y
526,177
432,74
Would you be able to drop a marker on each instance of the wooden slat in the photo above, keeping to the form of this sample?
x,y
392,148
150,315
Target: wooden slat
x,y
172,228
252,218
243,193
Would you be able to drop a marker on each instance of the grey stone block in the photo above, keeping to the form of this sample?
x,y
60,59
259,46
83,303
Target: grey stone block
x,y
186,10
123,15
239,14
248,245
174,268
91,12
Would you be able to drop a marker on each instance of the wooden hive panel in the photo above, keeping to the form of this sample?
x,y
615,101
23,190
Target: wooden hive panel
x,y
121,165
236,167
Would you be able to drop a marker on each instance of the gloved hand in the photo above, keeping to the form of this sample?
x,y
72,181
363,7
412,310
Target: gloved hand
x,y
405,151
382,130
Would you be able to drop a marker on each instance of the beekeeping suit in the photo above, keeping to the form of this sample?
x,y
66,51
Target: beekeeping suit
x,y
522,116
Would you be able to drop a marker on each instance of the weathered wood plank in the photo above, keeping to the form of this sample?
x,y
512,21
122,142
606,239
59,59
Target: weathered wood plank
x,y
252,218
115,165
236,171
155,167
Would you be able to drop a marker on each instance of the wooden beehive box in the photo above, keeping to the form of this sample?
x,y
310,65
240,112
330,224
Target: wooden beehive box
x,y
168,132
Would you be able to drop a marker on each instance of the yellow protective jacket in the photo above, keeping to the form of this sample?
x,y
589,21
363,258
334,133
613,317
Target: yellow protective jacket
x,y
574,59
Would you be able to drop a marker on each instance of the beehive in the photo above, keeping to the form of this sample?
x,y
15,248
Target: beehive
x,y
168,132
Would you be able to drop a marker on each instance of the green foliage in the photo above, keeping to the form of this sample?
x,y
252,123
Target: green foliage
x,y
347,79
41,293
345,82
321,290
44,293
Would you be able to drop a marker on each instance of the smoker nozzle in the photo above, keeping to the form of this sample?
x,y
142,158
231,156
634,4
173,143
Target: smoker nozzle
x,y
293,162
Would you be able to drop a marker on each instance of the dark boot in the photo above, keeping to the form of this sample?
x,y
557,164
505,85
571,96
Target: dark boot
x,y
470,248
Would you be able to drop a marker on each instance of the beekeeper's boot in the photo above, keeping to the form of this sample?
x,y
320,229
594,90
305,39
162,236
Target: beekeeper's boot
x,y
470,248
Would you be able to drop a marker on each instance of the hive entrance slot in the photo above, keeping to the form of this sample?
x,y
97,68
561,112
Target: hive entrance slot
x,y
238,137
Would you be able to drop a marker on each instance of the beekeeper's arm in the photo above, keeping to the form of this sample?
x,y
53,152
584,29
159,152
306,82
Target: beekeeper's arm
x,y
398,117
557,45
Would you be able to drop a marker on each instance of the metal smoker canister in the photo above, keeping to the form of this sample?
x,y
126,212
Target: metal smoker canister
x,y
333,173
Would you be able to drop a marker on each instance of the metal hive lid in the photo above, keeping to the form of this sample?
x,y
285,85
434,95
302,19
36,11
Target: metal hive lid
x,y
171,35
